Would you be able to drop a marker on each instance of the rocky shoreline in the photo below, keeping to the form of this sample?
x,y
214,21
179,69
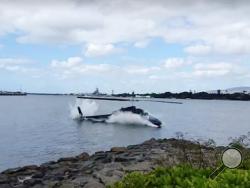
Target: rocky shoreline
x,y
106,167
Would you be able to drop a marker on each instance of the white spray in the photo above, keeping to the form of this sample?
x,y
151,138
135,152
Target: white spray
x,y
129,118
88,108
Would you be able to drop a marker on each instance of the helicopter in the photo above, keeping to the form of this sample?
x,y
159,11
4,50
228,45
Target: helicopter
x,y
131,110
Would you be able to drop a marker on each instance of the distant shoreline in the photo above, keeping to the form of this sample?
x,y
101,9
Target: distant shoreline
x,y
13,94
191,95
166,95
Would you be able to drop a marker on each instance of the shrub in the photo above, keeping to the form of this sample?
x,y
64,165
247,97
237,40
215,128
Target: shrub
x,y
186,177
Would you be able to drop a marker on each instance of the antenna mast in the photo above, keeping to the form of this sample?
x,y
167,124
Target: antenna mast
x,y
133,97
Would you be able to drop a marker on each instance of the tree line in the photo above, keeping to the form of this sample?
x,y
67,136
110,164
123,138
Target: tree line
x,y
191,95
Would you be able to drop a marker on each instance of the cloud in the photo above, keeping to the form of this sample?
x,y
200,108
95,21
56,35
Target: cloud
x,y
214,69
142,44
173,63
95,50
12,64
158,77
74,66
13,61
198,49
15,64
141,70
113,22
77,73
71,62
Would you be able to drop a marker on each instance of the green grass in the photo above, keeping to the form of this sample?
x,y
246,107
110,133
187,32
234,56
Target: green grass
x,y
186,177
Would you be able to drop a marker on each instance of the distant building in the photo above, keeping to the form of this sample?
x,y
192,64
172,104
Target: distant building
x,y
96,92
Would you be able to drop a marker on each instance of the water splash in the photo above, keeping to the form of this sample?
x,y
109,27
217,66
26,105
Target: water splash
x,y
90,107
87,106
129,118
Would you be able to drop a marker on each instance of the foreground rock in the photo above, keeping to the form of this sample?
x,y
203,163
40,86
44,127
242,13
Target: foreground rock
x,y
104,168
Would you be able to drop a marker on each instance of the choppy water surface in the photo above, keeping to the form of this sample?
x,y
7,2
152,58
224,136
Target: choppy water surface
x,y
36,129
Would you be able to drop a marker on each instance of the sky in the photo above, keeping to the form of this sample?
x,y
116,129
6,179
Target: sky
x,y
63,46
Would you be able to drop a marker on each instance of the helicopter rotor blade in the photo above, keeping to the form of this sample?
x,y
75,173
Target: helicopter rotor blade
x,y
171,102
104,98
126,99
